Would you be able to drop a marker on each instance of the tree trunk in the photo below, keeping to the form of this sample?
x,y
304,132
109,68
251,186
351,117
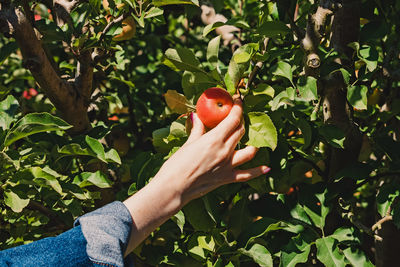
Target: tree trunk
x,y
70,98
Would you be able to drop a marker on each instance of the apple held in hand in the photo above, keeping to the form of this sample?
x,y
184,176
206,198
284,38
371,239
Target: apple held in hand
x,y
213,106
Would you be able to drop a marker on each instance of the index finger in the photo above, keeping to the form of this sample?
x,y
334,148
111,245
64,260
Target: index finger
x,y
232,121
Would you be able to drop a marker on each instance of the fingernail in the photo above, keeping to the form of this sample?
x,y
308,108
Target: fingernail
x,y
265,169
238,100
191,117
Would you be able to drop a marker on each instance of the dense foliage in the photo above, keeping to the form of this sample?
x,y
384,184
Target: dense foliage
x,y
320,86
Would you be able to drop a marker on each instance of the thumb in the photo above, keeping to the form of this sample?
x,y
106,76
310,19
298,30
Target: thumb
x,y
197,130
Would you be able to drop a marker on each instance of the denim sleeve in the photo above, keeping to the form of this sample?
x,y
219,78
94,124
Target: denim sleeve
x,y
99,238
67,249
107,231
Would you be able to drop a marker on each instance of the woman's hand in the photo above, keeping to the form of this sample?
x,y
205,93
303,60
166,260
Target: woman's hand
x,y
208,160
205,162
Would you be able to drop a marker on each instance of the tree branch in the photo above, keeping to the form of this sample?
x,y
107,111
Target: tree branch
x,y
312,39
112,23
378,224
63,8
258,64
84,75
64,96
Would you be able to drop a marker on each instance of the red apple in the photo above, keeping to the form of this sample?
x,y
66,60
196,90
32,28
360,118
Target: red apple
x,y
26,95
213,106
32,92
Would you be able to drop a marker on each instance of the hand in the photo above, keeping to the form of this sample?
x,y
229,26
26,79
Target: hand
x,y
205,162
208,160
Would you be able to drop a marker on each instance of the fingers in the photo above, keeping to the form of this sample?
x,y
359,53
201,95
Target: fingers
x,y
245,175
243,155
197,130
232,121
232,140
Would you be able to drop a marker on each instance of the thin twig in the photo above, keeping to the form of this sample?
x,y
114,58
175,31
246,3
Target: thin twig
x,y
378,224
112,23
258,64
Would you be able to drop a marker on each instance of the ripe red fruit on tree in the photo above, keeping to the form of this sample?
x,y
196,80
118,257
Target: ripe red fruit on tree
x,y
32,92
28,94
213,106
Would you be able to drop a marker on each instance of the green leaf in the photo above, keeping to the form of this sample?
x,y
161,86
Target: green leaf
x,y
14,201
333,135
96,147
307,87
262,132
76,150
113,156
328,252
283,69
370,56
194,83
48,176
344,234
200,245
357,257
182,59
259,228
233,76
296,251
242,57
386,195
4,91
306,131
366,53
8,110
98,179
179,219
212,51
346,76
34,123
273,28
175,2
6,50
230,86
210,27
178,102
314,205
259,254
197,215
357,96
153,12
279,100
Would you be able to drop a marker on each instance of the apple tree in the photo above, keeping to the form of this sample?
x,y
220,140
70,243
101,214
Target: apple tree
x,y
94,98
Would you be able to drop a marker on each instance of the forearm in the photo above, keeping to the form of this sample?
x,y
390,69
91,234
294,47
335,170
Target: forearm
x,y
150,207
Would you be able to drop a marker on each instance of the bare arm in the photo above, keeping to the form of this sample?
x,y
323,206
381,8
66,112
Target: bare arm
x,y
205,162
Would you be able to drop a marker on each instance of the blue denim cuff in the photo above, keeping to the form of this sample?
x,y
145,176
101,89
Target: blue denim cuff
x,y
107,231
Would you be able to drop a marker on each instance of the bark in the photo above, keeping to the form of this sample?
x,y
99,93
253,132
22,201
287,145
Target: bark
x,y
70,98
345,29
387,250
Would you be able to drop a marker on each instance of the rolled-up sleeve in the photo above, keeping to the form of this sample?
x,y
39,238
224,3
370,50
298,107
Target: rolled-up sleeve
x,y
107,231
99,238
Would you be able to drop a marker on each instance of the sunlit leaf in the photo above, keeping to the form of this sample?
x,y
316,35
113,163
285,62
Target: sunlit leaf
x,y
178,102
262,132
34,123
16,203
